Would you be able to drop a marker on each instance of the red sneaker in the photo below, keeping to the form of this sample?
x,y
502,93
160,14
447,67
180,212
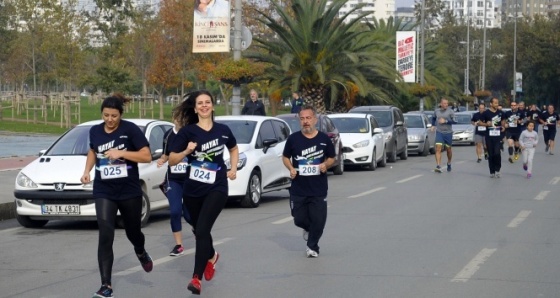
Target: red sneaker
x,y
211,268
194,286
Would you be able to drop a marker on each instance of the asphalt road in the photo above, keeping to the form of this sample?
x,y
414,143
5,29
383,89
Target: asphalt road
x,y
395,232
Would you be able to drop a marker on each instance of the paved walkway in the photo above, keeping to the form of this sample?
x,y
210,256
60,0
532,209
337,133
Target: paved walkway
x,y
15,163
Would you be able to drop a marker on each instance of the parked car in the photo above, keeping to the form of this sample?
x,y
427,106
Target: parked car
x,y
363,139
261,141
421,139
325,125
463,130
49,188
391,120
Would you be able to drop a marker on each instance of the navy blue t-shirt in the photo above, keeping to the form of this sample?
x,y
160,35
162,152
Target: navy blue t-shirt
x,y
496,118
178,172
119,179
479,129
511,118
207,170
306,154
550,120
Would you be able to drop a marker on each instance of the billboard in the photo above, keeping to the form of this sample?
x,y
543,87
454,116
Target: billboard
x,y
518,82
211,27
406,55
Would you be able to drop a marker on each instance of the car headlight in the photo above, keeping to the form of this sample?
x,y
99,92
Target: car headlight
x,y
470,130
414,137
24,181
388,135
361,144
240,164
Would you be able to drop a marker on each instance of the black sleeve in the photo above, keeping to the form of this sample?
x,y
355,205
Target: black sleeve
x,y
244,110
262,109
166,141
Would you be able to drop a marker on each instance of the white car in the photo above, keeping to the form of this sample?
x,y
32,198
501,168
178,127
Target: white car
x,y
463,130
261,141
49,188
362,139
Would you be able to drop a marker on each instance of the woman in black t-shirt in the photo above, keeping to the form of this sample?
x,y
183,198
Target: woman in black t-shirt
x,y
116,148
205,191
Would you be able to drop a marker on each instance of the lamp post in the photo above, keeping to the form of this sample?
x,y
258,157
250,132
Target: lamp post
x,y
514,90
236,94
422,43
482,84
467,92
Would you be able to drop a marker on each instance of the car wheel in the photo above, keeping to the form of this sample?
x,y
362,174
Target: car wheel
x,y
426,150
404,154
27,222
373,164
145,215
252,198
393,155
383,162
339,169
433,150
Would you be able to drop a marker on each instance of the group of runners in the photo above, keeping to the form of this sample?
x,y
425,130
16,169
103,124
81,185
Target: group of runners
x,y
491,124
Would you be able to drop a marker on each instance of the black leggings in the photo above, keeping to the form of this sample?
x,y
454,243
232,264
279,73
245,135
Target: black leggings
x,y
131,214
204,211
493,144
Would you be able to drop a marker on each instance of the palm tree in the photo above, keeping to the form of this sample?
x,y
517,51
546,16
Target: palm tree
x,y
317,51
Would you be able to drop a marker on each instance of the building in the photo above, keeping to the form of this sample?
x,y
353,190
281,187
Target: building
x,y
529,7
473,11
405,14
381,9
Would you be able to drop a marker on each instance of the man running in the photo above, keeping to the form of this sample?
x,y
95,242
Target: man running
x,y
549,120
534,115
442,120
479,133
494,120
514,120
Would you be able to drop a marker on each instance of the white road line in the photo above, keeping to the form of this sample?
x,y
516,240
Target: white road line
x,y
519,218
366,193
165,259
554,180
283,220
542,195
408,179
473,266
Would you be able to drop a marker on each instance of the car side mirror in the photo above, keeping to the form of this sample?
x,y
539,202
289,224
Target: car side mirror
x,y
157,154
400,123
42,152
377,131
267,143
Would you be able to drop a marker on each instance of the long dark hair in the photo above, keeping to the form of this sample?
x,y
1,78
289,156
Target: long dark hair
x,y
115,101
184,113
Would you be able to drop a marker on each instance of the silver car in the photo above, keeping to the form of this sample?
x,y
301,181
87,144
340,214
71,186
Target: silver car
x,y
421,139
463,130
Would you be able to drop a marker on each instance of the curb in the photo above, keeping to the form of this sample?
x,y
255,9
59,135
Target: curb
x,y
7,211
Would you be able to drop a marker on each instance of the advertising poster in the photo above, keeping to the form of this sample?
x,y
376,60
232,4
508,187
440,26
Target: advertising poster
x,y
518,82
211,27
406,55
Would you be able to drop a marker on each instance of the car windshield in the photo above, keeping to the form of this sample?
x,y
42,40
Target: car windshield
x,y
463,119
413,121
241,129
73,142
293,122
382,117
351,125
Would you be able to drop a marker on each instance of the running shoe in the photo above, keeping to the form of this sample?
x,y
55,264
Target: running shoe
x,y
311,253
510,160
437,169
305,235
211,268
525,166
546,149
478,160
498,175
529,176
146,261
516,156
492,175
194,286
177,250
449,167
104,292
550,153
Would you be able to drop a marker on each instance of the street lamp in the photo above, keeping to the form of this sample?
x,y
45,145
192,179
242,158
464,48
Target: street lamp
x,y
422,43
484,50
467,91
514,90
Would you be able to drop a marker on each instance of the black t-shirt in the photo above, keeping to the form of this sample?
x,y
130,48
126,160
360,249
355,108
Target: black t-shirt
x,y
207,170
550,120
118,179
512,118
496,118
534,115
479,129
177,172
306,154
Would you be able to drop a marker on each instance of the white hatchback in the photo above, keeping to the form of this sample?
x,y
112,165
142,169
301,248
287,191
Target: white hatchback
x,y
49,188
261,141
362,139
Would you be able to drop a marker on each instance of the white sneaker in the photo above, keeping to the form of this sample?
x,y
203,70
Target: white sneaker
x,y
311,253
498,175
305,235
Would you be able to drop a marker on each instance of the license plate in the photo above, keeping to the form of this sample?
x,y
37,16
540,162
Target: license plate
x,y
60,209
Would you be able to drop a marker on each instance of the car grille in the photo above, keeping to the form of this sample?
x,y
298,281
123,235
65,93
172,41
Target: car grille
x,y
61,201
347,149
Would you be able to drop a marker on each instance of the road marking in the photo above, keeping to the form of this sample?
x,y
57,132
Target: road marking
x,y
408,179
554,180
366,193
542,195
165,259
519,218
473,266
283,220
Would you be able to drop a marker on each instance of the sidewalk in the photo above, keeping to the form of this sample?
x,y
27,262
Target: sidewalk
x,y
15,163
